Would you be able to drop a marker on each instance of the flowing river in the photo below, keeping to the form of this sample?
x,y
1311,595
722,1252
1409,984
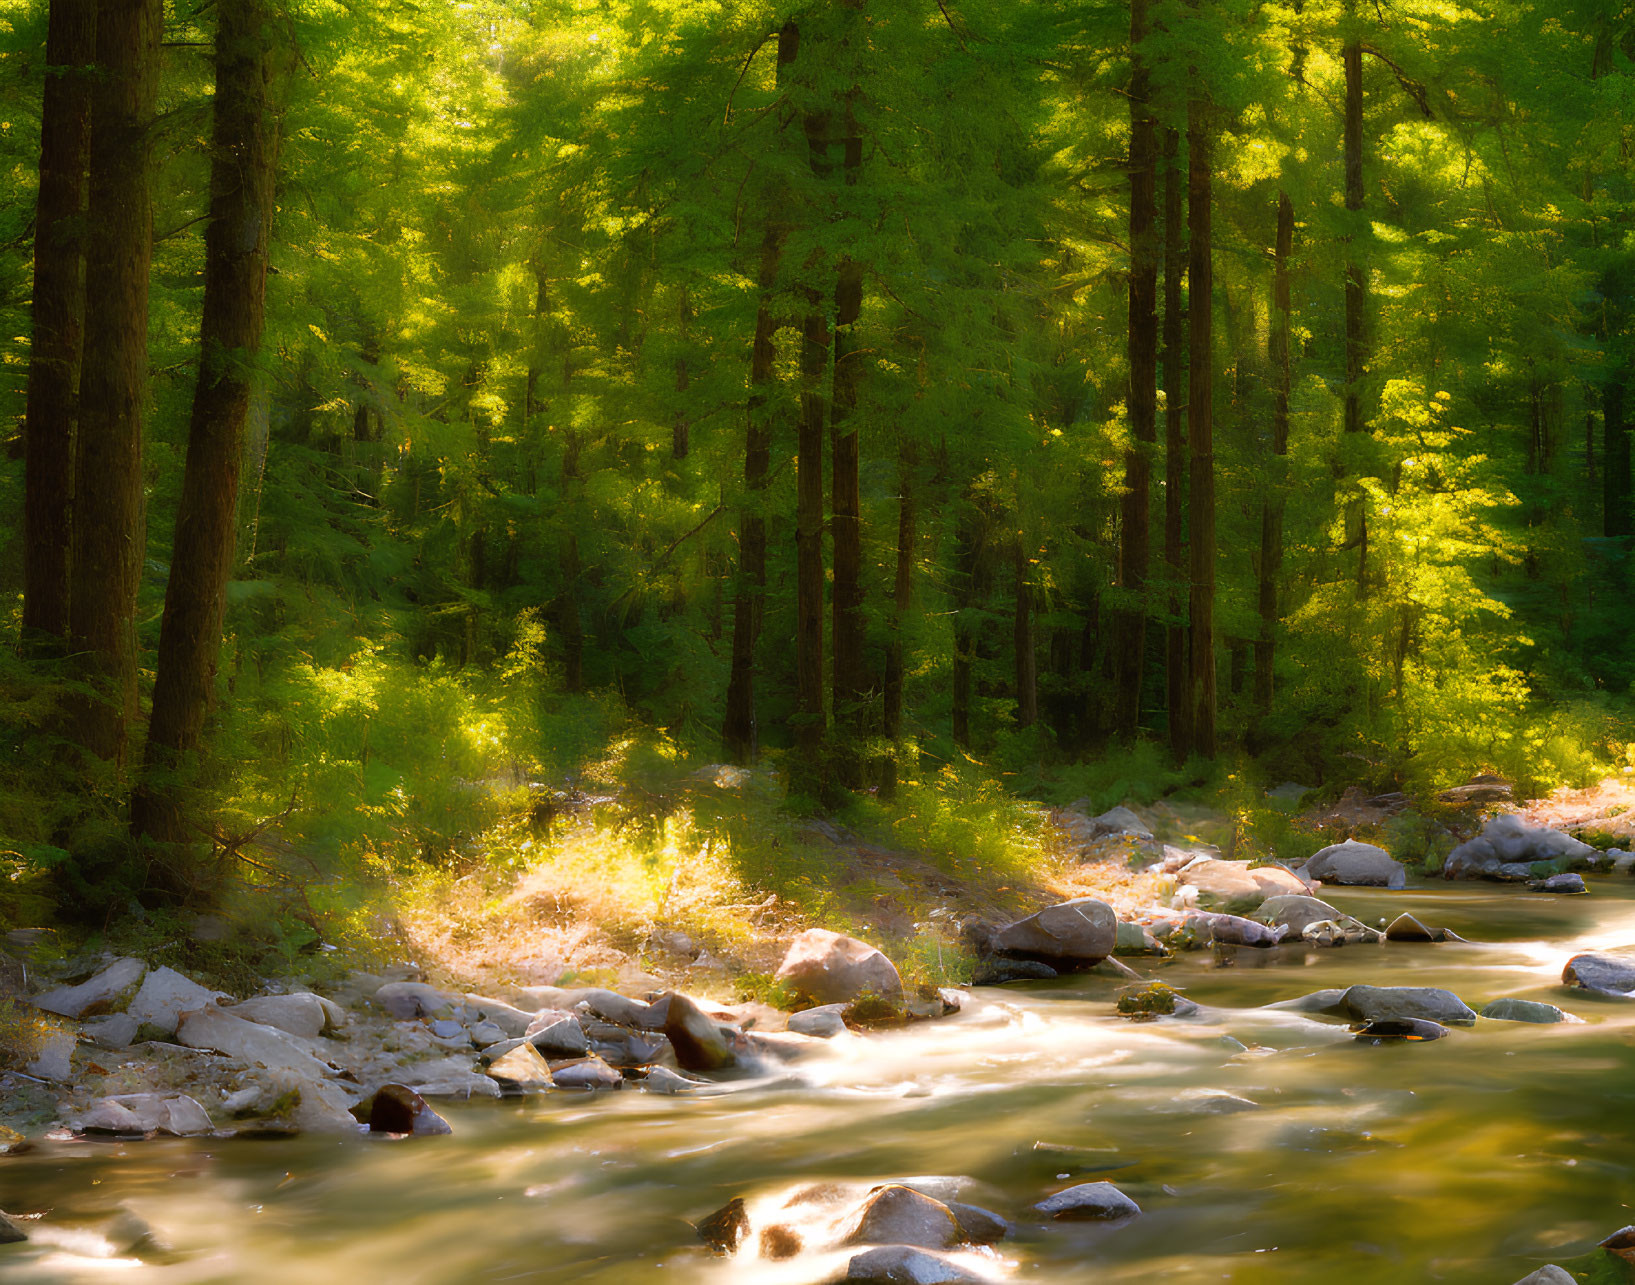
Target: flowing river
x,y
1304,1156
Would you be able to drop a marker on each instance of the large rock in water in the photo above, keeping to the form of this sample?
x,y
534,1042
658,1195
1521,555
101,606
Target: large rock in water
x,y
832,968
99,994
699,1041
1508,847
896,1215
1549,1274
1356,864
1083,930
1387,1003
214,1028
905,1265
396,1108
141,1113
1527,1010
1605,974
1089,1201
1231,930
1296,912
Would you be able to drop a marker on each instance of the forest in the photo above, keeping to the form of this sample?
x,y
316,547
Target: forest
x,y
564,494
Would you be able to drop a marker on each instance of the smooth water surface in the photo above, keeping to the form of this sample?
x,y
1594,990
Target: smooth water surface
x,y
1474,1158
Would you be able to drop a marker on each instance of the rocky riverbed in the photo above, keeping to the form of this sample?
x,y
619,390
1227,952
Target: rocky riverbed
x,y
1261,1061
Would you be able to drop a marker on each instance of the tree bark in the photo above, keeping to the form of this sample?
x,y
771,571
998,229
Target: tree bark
x,y
969,536
1618,520
1022,643
809,721
110,520
1271,511
1142,403
903,592
244,146
1177,686
739,738
1356,287
681,427
59,322
850,683
1200,423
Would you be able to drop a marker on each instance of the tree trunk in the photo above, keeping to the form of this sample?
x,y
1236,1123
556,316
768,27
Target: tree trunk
x,y
681,427
1135,538
739,739
903,594
846,521
1177,686
1617,520
109,527
59,321
969,535
809,720
1022,644
1356,288
244,146
1200,424
1271,510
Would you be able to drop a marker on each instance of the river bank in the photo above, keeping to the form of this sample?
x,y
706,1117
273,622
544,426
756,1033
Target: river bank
x,y
1240,1127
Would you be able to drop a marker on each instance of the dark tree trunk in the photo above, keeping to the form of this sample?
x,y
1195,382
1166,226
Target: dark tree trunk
x,y
110,520
969,536
851,684
1135,537
1271,511
809,721
846,520
1617,520
244,146
1356,288
59,321
738,734
1022,644
1200,424
1177,687
681,428
903,593
809,717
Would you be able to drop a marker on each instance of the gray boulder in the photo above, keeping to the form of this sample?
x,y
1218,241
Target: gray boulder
x,y
905,1265
215,1028
1526,1010
587,1073
53,1056
1568,884
521,1070
1083,930
824,1022
301,1014
1121,820
133,1114
105,991
164,996
406,1001
1428,1003
994,971
12,1232
512,1022
1089,1201
1507,848
111,1030
1232,931
1356,864
1549,1274
1605,974
978,1226
557,1033
832,968
896,1215
1296,912
1406,928
1396,1030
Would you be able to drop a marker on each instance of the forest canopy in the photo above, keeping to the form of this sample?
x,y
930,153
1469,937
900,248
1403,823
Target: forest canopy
x,y
410,402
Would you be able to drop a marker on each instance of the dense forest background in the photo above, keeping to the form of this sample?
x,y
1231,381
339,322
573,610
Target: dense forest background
x,y
945,396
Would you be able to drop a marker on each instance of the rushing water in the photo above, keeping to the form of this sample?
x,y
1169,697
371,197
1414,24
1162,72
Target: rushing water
x,y
1474,1158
